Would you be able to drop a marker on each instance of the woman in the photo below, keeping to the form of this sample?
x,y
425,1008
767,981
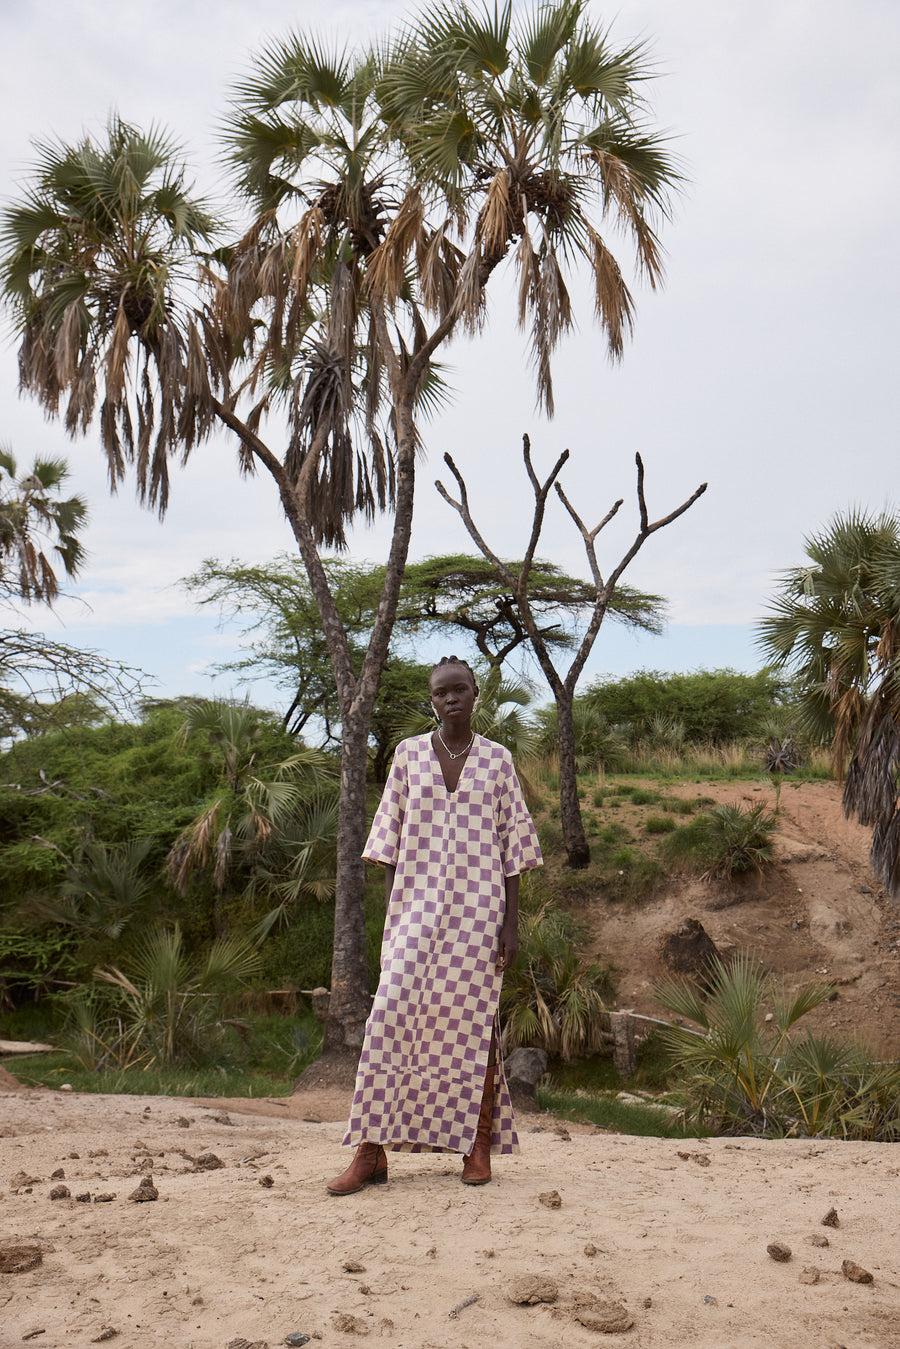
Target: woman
x,y
453,834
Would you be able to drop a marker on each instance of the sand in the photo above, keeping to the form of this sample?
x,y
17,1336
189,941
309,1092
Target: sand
x,y
668,1239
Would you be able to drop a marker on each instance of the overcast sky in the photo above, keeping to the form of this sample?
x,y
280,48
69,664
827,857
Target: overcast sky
x,y
767,366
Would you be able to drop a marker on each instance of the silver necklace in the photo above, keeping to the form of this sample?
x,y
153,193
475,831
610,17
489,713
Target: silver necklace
x,y
461,752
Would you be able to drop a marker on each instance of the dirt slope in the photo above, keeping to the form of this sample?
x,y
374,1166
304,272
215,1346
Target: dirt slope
x,y
818,913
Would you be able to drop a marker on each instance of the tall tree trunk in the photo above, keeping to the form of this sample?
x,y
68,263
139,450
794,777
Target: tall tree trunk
x,y
350,1003
578,853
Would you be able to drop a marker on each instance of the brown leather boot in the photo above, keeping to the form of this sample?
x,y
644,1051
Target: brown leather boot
x,y
477,1166
369,1167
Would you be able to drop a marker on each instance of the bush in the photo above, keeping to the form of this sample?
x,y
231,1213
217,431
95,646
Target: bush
x,y
710,705
745,1074
726,840
659,824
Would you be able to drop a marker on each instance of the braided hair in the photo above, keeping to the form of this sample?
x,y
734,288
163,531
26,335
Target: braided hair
x,y
455,660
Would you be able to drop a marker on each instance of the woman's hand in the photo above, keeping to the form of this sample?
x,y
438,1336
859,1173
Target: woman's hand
x,y
508,945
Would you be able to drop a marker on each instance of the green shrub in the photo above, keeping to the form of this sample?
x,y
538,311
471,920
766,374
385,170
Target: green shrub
x,y
725,840
659,824
745,1073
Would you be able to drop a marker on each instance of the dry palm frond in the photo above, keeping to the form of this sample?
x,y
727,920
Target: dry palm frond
x,y
470,297
495,219
528,265
612,297
623,188
306,240
387,265
870,790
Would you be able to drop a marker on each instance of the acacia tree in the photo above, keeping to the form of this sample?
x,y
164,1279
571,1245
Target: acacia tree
x,y
563,686
387,189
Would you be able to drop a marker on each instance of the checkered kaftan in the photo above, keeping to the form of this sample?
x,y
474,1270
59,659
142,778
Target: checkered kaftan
x,y
422,1070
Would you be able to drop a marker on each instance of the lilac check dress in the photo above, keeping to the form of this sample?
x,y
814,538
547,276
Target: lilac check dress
x,y
422,1070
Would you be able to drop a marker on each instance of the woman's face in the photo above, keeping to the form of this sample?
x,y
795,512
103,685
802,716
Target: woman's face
x,y
453,693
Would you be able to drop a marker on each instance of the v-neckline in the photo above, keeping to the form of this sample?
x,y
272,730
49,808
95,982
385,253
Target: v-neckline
x,y
440,766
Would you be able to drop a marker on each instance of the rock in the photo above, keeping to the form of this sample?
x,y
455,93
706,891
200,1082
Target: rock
x,y
19,1259
104,1198
523,1070
779,1251
183,1122
353,1267
107,1333
817,1239
21,1180
208,1161
551,1199
346,1324
590,1250
145,1193
58,1174
99,1152
66,1086
8,1082
222,1119
809,1274
241,1343
60,1192
855,1273
267,1182
831,1219
83,1198
701,1158
688,950
296,1338
529,1289
609,1318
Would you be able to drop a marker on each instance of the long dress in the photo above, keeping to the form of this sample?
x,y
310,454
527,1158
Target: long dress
x,y
422,1069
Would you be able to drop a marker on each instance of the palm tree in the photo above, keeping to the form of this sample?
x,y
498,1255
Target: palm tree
x,y
528,133
31,507
266,826
98,266
836,625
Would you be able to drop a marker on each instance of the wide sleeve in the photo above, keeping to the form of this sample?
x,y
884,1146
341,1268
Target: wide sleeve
x,y
519,847
383,843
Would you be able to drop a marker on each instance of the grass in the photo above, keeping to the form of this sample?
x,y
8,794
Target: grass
x,y
607,1112
262,1057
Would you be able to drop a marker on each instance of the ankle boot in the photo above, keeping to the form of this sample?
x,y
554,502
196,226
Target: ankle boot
x,y
369,1167
477,1166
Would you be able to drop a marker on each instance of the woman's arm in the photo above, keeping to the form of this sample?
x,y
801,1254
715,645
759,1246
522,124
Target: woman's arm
x,y
508,945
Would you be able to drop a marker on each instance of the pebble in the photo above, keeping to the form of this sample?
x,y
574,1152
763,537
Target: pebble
x,y
60,1192
267,1182
817,1239
296,1338
551,1199
855,1273
779,1251
831,1219
809,1274
345,1324
145,1192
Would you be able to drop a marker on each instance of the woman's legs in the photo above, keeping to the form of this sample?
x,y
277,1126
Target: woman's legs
x,y
369,1167
477,1166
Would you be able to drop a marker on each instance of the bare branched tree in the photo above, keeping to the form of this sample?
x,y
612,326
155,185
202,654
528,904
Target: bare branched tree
x,y
563,686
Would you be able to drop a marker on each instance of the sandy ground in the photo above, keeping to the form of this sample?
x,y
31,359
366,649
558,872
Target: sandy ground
x,y
671,1234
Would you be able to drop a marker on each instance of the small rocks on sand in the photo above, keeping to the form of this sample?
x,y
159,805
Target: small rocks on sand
x,y
530,1289
296,1338
107,1333
855,1273
207,1161
241,1343
779,1251
353,1267
551,1199
817,1239
60,1192
809,1274
831,1219
145,1193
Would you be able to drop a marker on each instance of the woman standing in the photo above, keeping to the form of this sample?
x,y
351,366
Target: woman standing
x,y
453,834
